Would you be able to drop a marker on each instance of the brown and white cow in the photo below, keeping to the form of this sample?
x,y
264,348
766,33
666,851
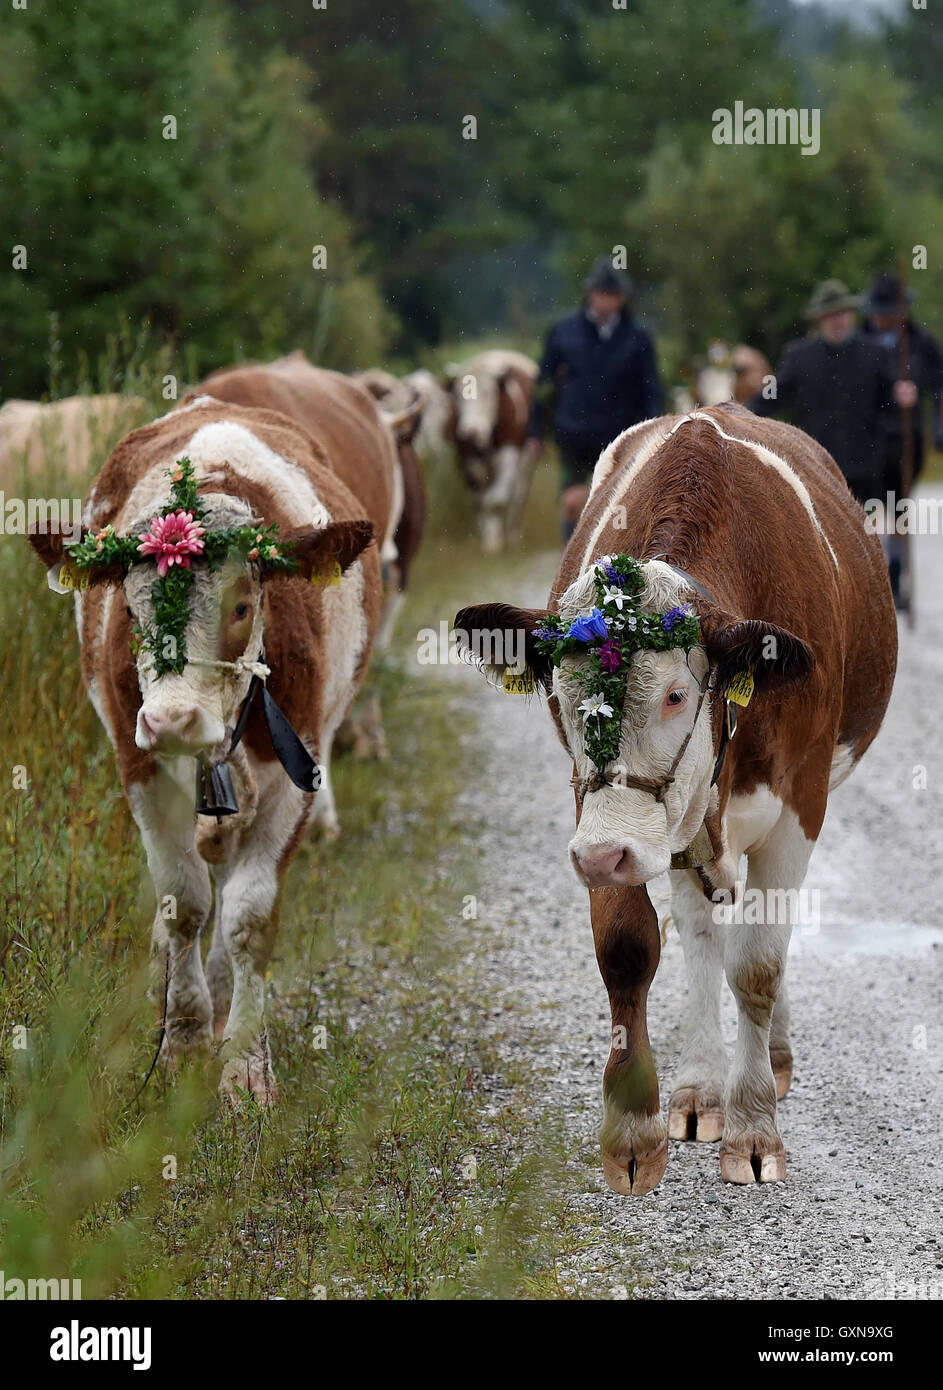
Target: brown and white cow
x,y
324,476
492,394
751,522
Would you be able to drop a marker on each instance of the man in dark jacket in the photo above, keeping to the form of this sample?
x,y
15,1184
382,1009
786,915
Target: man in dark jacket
x,y
887,308
598,376
839,387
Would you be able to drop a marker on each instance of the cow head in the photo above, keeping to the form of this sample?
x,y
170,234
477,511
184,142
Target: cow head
x,y
626,834
193,710
476,397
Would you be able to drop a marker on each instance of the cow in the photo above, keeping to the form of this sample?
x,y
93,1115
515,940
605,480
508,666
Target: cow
x,y
269,647
491,396
730,375
64,436
740,534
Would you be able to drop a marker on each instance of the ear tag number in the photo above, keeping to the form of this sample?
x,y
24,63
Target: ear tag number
x,y
65,577
519,682
740,689
332,577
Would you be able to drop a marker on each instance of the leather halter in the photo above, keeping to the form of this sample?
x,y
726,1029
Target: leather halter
x,y
598,778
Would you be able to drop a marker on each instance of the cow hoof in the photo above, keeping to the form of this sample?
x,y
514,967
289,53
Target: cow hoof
x,y
781,1062
757,1166
695,1113
633,1177
248,1076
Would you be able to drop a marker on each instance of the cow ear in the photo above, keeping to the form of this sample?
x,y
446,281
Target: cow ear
x,y
493,634
50,545
775,655
322,550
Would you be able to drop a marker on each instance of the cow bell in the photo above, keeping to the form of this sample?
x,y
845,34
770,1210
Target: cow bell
x,y
214,791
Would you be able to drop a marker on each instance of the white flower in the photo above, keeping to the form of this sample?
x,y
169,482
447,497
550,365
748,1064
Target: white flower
x,y
616,596
631,622
595,705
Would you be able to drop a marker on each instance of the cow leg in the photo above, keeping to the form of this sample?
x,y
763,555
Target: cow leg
x,y
518,504
633,1136
325,807
393,599
218,965
163,810
780,1049
755,962
249,925
696,1107
497,498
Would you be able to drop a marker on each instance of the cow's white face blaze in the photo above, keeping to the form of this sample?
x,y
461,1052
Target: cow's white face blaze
x,y
194,712
478,414
625,835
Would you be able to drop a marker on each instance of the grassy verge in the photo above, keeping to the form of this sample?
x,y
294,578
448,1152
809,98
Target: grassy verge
x,y
403,1160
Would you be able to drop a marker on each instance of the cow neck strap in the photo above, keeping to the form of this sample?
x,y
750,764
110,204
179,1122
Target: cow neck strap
x,y
289,749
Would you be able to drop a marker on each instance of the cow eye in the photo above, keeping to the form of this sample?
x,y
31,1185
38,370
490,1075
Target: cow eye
x,y
240,611
677,697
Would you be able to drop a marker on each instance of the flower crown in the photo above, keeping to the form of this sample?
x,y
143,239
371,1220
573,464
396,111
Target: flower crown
x,y
177,535
608,636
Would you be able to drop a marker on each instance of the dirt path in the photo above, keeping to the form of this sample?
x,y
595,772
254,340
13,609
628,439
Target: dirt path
x,y
861,1213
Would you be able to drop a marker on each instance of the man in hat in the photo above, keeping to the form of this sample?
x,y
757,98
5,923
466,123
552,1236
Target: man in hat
x,y
888,316
598,376
839,386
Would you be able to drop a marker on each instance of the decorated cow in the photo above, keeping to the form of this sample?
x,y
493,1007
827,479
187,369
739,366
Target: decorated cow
x,y
227,591
718,650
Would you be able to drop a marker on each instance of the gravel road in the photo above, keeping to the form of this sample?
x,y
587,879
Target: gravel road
x,y
861,1212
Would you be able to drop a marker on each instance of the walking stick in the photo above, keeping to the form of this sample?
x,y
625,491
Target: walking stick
x,y
907,443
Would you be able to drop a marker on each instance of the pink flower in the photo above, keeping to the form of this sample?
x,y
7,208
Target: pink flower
x,y
173,539
610,655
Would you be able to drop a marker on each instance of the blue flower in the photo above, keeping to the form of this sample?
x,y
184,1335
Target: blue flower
x,y
615,577
546,634
586,629
674,616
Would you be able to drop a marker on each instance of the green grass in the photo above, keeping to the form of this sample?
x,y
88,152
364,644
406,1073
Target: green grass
x,y
391,1168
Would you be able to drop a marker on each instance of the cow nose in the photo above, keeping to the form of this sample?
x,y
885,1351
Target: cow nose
x,y
162,724
599,863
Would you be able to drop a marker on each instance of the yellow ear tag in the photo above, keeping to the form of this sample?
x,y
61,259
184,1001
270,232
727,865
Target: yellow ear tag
x,y
740,689
519,682
332,577
69,577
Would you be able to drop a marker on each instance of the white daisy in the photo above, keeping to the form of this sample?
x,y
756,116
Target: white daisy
x,y
595,705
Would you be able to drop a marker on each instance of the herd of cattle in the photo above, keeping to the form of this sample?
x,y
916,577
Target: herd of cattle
x,y
744,523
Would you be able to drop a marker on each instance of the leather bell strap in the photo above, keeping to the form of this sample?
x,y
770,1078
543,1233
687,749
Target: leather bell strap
x,y
215,795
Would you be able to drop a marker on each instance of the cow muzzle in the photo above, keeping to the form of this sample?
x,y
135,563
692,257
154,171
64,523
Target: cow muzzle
x,y
617,864
174,729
